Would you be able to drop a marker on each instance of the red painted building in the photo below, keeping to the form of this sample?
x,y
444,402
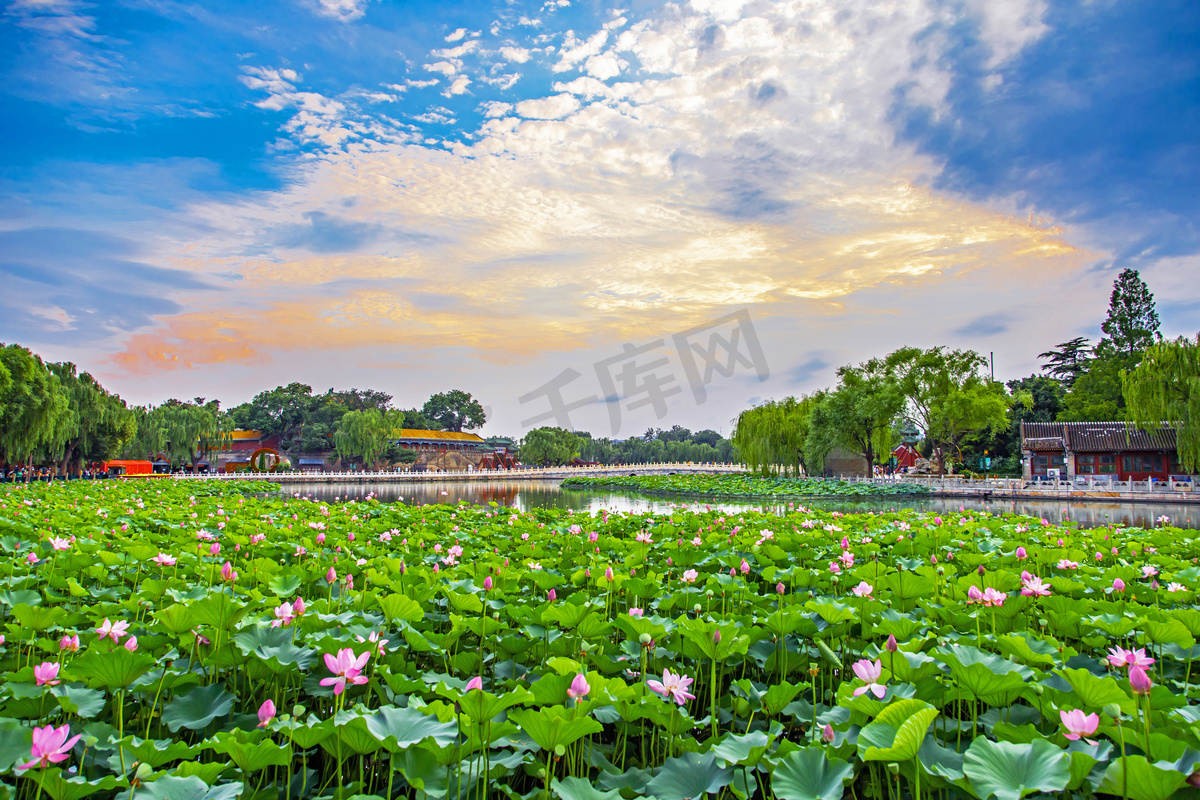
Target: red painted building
x,y
1100,450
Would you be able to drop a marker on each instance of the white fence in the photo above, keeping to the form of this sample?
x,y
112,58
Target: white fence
x,y
1082,483
364,476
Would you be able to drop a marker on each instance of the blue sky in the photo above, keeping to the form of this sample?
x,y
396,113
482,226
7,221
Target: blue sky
x,y
215,198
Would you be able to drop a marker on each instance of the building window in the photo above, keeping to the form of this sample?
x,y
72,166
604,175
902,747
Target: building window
x,y
1107,465
1085,465
1039,463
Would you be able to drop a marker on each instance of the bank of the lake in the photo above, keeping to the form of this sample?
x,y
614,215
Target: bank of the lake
x,y
523,495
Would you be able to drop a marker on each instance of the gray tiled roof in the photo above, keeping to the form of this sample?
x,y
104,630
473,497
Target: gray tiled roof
x,y
1091,437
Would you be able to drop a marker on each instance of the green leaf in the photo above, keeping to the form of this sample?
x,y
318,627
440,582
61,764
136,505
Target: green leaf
x,y
72,788
808,774
177,618
1095,692
284,585
198,708
745,750
897,732
1011,771
274,646
15,743
549,726
218,610
689,777
112,670
156,752
581,789
400,607
251,751
83,702
171,787
400,728
1145,781
37,618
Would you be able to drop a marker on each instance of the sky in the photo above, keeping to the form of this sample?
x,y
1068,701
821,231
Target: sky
x,y
611,216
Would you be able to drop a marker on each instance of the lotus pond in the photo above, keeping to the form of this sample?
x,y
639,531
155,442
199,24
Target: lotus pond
x,y
746,486
192,640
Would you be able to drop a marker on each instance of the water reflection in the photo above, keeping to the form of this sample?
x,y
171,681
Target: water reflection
x,y
528,495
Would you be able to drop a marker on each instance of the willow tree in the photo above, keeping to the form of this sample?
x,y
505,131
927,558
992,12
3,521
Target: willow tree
x,y
97,423
365,434
32,406
1165,388
770,438
859,414
183,432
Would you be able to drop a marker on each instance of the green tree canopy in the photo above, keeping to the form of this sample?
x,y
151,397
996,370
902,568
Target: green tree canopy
x,y
1165,387
1067,361
365,434
33,405
1132,324
860,414
96,424
184,432
948,398
550,446
454,410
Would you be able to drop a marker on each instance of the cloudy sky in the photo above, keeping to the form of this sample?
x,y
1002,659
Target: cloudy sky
x,y
212,198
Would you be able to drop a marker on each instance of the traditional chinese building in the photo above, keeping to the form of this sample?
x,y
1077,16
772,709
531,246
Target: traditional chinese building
x,y
243,444
1102,450
453,450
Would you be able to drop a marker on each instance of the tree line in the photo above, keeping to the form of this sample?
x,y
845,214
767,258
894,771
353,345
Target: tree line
x,y
962,416
52,415
555,446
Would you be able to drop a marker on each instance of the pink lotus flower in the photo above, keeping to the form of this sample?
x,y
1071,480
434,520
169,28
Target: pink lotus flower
x,y
228,573
131,644
320,536
834,568
114,630
487,583
1176,587
635,612
891,645
780,588
863,589
50,746
579,687
214,548
869,673
1079,724
164,560
608,574
992,597
346,667
1139,681
266,713
551,596
69,643
298,606
827,734
1021,554
745,567
46,674
284,615
1121,658
689,576
330,576
1149,571
1033,587
31,558
847,559
60,544
1065,564
974,595
475,683
672,685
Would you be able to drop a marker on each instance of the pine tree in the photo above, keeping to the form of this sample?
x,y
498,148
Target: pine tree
x,y
1132,323
1067,361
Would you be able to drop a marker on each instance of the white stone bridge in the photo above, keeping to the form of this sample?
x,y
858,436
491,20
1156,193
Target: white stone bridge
x,y
525,473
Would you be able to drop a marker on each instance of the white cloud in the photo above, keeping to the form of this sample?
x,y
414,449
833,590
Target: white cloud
x,y
342,10
516,55
422,84
459,86
503,82
573,50
494,108
453,53
555,107
444,67
604,66
458,34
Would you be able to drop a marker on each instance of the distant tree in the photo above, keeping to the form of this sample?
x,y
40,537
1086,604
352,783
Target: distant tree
x,y
708,437
1165,387
1096,395
948,398
1132,324
365,434
549,446
362,399
415,420
454,410
1067,361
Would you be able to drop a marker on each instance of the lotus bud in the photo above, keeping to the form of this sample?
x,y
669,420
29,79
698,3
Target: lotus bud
x,y
487,583
1154,585
331,576
827,733
716,637
475,683
981,569
144,772
551,596
933,560
891,643
608,574
893,768
732,572
669,562
1118,585
1139,681
1113,710
779,588
579,687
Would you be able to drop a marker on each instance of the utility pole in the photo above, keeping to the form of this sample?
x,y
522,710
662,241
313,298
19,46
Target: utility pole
x,y
992,361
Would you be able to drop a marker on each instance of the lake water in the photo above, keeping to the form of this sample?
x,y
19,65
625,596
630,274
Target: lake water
x,y
527,495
